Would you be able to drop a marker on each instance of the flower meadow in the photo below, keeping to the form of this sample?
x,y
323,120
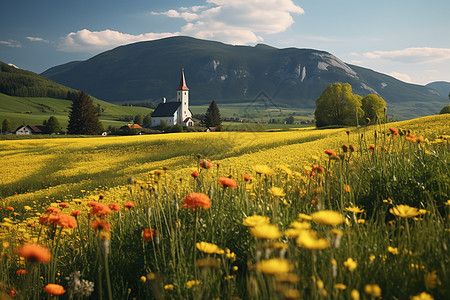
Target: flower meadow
x,y
351,213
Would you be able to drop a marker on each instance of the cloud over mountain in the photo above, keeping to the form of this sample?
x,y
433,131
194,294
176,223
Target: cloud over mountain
x,y
412,55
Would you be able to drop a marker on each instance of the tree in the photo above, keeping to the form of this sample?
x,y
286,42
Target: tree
x,y
147,120
83,117
289,120
338,106
374,107
445,109
139,119
52,125
6,125
212,116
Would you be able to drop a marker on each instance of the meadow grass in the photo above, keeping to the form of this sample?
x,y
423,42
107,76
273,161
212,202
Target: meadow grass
x,y
361,245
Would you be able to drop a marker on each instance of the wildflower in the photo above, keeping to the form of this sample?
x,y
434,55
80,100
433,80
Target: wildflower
x,y
205,164
195,200
100,224
350,264
100,210
308,239
431,280
344,148
168,287
143,279
52,209
422,296
330,152
229,254
355,295
354,209
34,253
373,290
304,217
21,272
192,283
11,292
263,170
392,250
54,289
227,182
404,211
247,177
266,231
274,266
361,221
114,207
148,234
75,213
371,257
328,217
393,131
67,221
10,208
318,169
291,294
367,120
340,286
209,248
91,203
287,277
347,188
129,205
352,148
63,205
255,220
371,147
195,174
276,192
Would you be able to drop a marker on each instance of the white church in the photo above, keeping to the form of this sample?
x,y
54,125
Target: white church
x,y
175,112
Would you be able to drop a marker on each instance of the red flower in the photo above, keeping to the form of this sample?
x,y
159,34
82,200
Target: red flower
x,y
129,205
247,177
194,200
206,164
10,208
63,205
34,253
318,169
194,174
75,213
100,209
100,224
114,206
227,182
330,152
21,272
148,234
54,289
371,147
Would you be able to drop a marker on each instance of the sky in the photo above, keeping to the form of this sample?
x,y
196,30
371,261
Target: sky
x,y
407,39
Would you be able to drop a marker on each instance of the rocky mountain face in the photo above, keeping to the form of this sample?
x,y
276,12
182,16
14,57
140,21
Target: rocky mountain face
x,y
215,71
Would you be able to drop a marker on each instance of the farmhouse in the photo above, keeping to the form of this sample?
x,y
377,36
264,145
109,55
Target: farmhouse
x,y
177,112
31,129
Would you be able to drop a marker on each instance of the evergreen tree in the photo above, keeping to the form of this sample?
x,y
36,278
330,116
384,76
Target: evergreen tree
x,y
212,116
83,117
6,125
52,125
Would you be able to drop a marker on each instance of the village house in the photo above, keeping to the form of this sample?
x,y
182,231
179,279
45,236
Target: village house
x,y
31,129
175,112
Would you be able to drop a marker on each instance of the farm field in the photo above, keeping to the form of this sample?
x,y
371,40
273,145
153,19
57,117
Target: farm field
x,y
270,216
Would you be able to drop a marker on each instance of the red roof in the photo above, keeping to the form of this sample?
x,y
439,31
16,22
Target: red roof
x,y
133,126
182,86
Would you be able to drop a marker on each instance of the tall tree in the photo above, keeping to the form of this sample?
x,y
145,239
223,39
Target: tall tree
x,y
52,125
6,125
212,116
374,107
83,117
139,119
147,120
338,106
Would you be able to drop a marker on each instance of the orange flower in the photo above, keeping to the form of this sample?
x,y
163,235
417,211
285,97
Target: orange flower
x,y
75,213
10,208
34,253
21,272
129,205
148,234
63,205
247,177
114,206
100,209
206,164
91,203
393,131
330,152
52,209
194,200
67,221
100,224
318,169
194,174
54,289
347,188
371,147
50,219
227,182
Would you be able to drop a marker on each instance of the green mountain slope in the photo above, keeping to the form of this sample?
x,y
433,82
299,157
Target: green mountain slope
x,y
442,87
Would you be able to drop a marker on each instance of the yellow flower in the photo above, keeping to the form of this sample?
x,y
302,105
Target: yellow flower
x,y
354,209
373,290
229,254
422,296
168,287
340,286
308,239
300,225
274,266
291,294
209,248
350,264
320,284
404,211
431,280
361,221
285,169
276,192
393,250
192,283
447,202
371,257
255,220
266,231
306,217
354,294
263,170
422,211
143,279
337,232
328,217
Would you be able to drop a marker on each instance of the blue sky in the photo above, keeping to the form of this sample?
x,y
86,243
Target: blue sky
x,y
408,39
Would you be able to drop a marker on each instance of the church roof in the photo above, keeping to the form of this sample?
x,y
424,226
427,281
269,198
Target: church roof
x,y
182,86
167,109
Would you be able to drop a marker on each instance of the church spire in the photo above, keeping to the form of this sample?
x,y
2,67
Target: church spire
x,y
182,86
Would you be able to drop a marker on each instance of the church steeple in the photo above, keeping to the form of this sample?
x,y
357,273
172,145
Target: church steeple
x,y
182,86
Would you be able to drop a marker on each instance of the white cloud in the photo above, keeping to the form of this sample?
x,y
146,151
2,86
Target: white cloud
x,y
412,55
11,43
91,41
400,76
36,39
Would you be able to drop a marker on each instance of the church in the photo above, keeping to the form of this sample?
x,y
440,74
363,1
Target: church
x,y
177,112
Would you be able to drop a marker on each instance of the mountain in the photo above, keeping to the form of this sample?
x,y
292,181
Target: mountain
x,y
290,77
442,87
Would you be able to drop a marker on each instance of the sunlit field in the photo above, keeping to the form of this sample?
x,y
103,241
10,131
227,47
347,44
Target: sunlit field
x,y
349,213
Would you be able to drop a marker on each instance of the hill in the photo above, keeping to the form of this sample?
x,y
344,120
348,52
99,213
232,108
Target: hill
x,y
442,87
290,77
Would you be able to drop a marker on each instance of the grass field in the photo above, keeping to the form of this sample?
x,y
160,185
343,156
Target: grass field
x,y
325,225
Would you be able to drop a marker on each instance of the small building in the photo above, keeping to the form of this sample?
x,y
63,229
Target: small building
x,y
177,112
31,129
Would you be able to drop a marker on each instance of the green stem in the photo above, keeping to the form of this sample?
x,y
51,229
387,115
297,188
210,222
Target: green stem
x,y
195,244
